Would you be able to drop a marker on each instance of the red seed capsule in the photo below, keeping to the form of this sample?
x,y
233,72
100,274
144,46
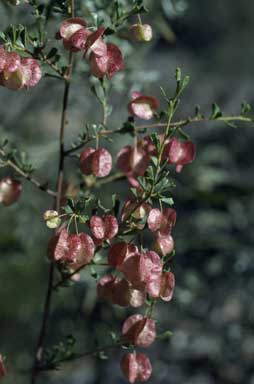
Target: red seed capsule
x,y
143,271
179,153
136,367
119,252
167,286
101,163
108,64
2,367
75,250
139,331
10,191
104,228
97,162
143,106
161,222
118,291
164,245
73,33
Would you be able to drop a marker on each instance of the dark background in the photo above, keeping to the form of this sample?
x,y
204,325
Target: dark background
x,y
212,313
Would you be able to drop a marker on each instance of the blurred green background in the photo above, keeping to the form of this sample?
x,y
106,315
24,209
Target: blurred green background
x,y
212,313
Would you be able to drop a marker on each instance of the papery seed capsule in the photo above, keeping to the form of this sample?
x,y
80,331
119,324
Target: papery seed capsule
x,y
164,245
139,331
86,160
101,163
136,367
142,32
119,252
143,106
10,191
167,286
118,291
179,153
2,367
58,246
108,64
52,219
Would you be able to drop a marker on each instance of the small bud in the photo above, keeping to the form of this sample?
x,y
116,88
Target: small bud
x,y
142,32
10,191
136,367
52,219
139,331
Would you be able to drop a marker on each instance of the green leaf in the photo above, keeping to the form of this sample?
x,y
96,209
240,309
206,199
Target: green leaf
x,y
167,200
245,108
216,112
164,336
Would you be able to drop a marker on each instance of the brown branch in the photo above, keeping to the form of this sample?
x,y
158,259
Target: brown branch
x,y
57,206
27,176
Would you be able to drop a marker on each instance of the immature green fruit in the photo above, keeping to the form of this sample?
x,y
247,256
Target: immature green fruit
x,y
142,32
52,219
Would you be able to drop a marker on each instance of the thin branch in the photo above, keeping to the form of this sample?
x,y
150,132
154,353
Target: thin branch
x,y
190,120
54,364
57,206
27,176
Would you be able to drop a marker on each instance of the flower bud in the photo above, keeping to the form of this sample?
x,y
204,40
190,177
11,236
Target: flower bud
x,y
139,331
142,32
52,219
136,367
10,191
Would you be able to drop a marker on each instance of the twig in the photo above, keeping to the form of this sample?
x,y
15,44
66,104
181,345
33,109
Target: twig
x,y
27,176
57,205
